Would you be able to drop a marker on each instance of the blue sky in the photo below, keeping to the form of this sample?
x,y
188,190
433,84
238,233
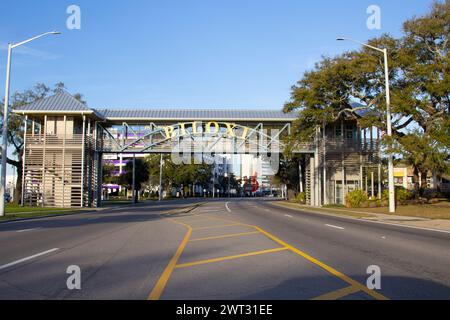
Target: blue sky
x,y
221,54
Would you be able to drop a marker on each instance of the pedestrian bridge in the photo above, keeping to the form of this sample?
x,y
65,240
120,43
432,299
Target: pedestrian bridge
x,y
65,140
61,120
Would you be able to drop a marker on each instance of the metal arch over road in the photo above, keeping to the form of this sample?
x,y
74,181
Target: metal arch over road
x,y
200,136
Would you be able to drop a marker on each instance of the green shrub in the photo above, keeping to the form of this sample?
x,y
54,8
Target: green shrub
x,y
356,198
301,197
402,195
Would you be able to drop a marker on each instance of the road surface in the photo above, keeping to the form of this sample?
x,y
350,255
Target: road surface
x,y
223,249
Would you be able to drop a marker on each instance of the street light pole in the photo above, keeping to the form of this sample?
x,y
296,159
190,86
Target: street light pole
x,y
134,179
5,135
388,121
5,119
160,177
389,133
229,190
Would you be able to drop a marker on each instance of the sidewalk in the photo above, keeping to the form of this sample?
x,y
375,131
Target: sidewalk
x,y
425,223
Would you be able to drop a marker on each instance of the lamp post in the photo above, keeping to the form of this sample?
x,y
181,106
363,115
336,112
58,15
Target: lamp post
x,y
228,183
229,190
388,121
5,118
161,161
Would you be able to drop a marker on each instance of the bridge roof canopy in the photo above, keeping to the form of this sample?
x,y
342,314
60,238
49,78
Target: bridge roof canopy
x,y
197,115
64,103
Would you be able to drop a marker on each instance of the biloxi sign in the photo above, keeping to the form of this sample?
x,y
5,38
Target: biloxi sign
x,y
203,142
212,128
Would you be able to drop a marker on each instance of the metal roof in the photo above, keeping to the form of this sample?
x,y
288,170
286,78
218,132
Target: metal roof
x,y
196,114
61,101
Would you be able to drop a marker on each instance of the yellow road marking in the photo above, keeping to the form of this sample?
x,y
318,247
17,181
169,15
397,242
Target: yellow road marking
x,y
219,226
225,236
196,263
331,270
338,293
164,278
162,282
322,265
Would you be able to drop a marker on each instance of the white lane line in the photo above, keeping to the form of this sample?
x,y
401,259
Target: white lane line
x,y
288,215
336,227
226,206
26,230
27,258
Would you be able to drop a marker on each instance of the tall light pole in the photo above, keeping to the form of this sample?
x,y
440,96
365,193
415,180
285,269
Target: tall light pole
x,y
134,179
5,118
160,177
388,121
226,176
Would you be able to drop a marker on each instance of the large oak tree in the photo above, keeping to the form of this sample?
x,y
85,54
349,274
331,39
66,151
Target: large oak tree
x,y
353,83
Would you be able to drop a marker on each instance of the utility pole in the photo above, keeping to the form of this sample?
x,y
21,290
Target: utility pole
x,y
134,179
300,176
160,177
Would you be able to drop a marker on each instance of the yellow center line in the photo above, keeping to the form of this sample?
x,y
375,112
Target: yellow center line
x,y
164,278
225,236
249,254
338,293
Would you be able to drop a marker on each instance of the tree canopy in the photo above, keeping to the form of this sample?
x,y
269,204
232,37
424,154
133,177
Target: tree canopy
x,y
174,175
141,174
353,84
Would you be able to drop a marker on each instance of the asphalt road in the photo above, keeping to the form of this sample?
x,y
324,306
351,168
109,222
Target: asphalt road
x,y
237,249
